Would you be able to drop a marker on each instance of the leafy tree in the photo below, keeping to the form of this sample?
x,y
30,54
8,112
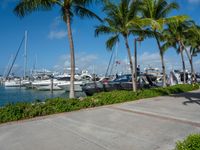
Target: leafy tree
x,y
68,8
121,21
175,37
157,11
193,44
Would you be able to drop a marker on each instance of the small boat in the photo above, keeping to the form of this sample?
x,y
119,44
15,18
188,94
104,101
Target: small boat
x,y
46,85
66,86
154,76
80,80
123,82
105,84
48,88
13,83
25,82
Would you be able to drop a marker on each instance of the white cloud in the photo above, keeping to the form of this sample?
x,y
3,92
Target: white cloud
x,y
56,30
92,62
57,34
153,60
147,57
84,61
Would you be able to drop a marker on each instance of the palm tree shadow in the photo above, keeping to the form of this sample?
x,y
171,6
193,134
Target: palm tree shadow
x,y
193,98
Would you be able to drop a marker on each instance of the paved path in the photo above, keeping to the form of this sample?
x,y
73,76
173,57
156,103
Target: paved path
x,y
153,124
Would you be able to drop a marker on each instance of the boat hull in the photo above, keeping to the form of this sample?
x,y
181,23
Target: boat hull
x,y
48,88
12,84
66,86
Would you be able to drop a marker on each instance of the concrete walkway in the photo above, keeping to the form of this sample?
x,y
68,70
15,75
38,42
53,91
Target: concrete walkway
x,y
151,124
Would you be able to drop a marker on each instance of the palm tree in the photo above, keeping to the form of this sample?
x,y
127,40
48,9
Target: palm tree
x,y
193,52
175,37
69,8
121,21
158,10
193,42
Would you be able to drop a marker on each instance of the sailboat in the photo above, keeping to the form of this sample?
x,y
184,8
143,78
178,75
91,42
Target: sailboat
x,y
16,82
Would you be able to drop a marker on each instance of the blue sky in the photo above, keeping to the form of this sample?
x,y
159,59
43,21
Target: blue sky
x,y
47,40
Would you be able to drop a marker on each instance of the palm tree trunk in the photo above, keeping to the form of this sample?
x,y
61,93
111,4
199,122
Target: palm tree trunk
x,y
183,63
72,61
131,63
192,70
135,58
190,58
162,61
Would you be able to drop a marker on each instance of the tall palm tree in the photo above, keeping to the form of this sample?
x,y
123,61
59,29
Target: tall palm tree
x,y
121,21
69,8
158,10
193,52
175,37
192,41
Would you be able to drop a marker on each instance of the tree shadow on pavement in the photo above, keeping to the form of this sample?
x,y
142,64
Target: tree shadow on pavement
x,y
193,98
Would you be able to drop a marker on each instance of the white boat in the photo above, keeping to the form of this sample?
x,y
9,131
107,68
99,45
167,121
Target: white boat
x,y
48,88
25,82
12,83
46,84
66,86
85,75
154,73
42,82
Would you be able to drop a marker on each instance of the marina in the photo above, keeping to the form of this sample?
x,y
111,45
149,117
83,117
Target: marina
x,y
9,95
44,86
99,75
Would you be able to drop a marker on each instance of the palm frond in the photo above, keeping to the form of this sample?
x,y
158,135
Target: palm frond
x,y
144,33
25,7
102,29
82,12
111,42
167,9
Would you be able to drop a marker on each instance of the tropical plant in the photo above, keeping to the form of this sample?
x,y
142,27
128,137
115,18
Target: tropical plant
x,y
21,110
193,44
69,8
158,10
192,142
121,21
175,37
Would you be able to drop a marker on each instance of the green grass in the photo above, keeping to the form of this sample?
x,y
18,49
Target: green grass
x,y
19,111
192,142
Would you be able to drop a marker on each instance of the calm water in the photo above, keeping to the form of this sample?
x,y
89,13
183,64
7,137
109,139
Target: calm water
x,y
13,95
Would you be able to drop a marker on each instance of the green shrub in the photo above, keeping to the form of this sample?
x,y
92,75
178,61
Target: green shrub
x,y
192,142
19,111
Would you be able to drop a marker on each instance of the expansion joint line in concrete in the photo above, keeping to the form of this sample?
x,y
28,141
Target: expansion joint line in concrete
x,y
149,114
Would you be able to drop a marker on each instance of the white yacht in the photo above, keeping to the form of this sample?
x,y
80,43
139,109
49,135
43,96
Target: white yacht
x,y
154,74
45,85
66,86
80,80
13,83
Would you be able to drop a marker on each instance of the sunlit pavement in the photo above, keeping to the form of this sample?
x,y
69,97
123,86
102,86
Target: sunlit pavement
x,y
151,124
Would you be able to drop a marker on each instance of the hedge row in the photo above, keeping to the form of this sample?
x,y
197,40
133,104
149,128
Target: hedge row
x,y
192,142
19,111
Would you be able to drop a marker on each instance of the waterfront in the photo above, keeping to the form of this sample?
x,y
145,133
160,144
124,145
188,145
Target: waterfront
x,y
13,95
150,124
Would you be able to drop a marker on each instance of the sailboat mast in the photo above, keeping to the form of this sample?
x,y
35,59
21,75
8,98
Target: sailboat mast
x,y
25,54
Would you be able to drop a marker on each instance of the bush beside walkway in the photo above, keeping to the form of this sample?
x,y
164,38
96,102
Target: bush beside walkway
x,y
20,111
